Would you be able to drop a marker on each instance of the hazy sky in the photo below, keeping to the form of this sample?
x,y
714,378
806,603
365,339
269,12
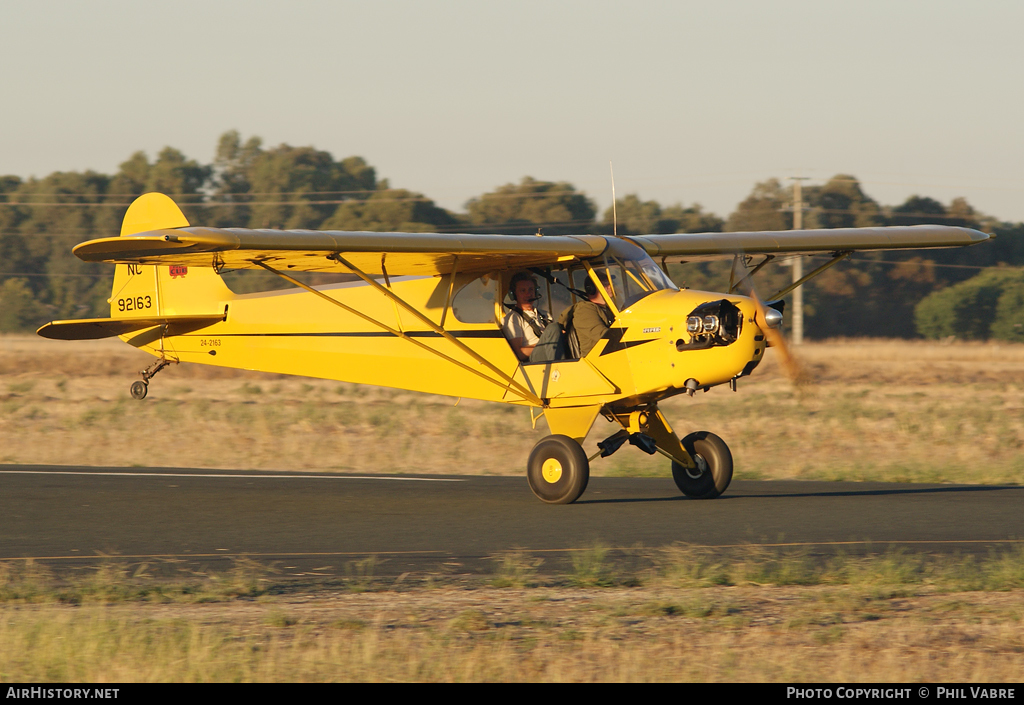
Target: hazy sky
x,y
692,101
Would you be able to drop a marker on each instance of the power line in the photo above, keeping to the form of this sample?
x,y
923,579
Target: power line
x,y
176,196
58,276
458,228
882,211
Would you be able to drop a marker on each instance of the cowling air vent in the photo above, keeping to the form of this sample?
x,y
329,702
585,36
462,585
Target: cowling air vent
x,y
711,324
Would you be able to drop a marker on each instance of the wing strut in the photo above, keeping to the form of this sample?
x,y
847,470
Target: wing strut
x,y
836,258
755,270
451,288
520,390
525,394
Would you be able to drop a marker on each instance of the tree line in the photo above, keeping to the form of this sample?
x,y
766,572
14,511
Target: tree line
x,y
250,185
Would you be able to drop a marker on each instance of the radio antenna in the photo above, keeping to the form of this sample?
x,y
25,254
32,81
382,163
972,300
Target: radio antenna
x,y
615,218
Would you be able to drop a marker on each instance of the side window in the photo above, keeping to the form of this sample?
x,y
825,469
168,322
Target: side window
x,y
579,276
559,298
475,301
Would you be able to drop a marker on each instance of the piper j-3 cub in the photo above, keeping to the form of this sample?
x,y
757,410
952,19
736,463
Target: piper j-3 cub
x,y
423,313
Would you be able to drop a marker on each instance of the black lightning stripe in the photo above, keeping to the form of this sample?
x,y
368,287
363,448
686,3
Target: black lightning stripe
x,y
615,344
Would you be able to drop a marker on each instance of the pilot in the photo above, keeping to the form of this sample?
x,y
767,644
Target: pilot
x,y
525,322
587,321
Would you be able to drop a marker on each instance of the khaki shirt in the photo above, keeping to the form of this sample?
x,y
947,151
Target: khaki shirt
x,y
590,321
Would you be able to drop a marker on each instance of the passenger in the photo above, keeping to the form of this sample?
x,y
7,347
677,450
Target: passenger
x,y
587,321
524,323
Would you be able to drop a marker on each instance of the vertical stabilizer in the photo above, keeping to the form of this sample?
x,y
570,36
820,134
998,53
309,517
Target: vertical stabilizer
x,y
148,290
152,211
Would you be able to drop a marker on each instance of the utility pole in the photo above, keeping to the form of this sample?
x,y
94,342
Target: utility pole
x,y
798,262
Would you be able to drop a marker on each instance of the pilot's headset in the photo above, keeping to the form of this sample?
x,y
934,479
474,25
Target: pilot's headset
x,y
522,277
590,288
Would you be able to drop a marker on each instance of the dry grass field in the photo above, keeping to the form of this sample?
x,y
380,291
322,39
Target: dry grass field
x,y
874,410
751,616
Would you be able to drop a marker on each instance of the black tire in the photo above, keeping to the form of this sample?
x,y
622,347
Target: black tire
x,y
139,390
714,462
558,470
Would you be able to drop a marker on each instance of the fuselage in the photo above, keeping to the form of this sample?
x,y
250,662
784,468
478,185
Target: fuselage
x,y
646,355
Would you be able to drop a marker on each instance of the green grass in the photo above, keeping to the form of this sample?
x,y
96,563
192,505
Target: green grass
x,y
516,569
687,566
590,568
678,567
118,582
21,387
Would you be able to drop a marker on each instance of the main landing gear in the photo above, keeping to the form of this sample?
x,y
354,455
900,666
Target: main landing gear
x,y
558,469
140,388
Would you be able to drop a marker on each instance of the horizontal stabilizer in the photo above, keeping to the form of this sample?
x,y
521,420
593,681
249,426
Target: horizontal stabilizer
x,y
96,328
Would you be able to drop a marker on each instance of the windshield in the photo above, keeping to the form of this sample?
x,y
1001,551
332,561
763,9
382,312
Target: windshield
x,y
634,273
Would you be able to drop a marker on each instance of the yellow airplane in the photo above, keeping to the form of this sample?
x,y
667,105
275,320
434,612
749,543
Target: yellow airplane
x,y
424,310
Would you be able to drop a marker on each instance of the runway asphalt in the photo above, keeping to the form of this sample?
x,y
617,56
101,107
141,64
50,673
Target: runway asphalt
x,y
322,523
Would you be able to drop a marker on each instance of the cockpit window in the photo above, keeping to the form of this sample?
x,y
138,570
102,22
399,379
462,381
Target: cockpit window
x,y
656,275
475,301
634,273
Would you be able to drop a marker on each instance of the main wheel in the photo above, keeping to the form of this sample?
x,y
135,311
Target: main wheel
x,y
139,390
714,466
558,470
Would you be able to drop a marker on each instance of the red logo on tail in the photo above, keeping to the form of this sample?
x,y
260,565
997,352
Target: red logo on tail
x,y
178,270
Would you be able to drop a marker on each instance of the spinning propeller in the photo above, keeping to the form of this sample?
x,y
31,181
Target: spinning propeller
x,y
769,320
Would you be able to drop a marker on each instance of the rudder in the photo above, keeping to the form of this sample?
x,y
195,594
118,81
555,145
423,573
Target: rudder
x,y
151,290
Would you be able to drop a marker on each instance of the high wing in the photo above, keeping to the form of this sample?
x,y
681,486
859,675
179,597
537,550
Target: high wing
x,y
309,250
436,253
696,246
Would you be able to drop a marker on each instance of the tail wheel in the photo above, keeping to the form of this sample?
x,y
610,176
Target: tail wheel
x,y
558,470
714,466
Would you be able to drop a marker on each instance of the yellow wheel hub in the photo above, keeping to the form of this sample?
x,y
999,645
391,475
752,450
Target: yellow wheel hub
x,y
551,470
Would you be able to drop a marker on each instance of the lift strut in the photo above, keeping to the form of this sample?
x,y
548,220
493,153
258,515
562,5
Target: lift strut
x,y
508,384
